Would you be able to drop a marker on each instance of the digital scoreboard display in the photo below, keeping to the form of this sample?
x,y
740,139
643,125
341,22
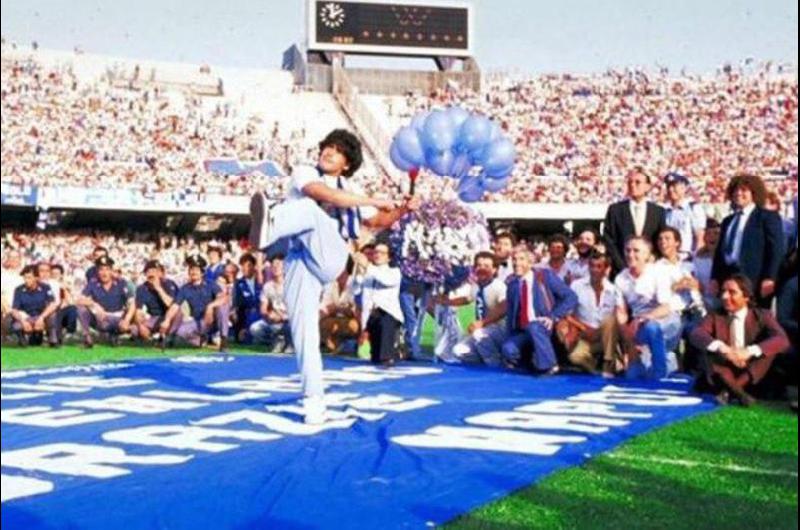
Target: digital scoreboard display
x,y
401,28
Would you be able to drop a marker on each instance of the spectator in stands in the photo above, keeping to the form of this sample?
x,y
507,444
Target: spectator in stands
x,y
273,327
487,332
246,298
752,239
97,253
578,268
381,316
557,247
596,322
649,326
106,305
208,311
536,301
33,310
635,216
67,317
154,297
503,246
338,321
683,214
741,343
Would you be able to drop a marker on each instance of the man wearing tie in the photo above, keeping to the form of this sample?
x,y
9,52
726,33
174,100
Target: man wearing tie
x,y
635,216
739,344
503,246
536,300
752,240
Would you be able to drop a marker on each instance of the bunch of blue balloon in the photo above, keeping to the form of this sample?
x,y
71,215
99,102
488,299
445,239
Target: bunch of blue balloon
x,y
455,143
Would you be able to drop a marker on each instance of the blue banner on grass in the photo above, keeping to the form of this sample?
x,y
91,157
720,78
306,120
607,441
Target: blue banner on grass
x,y
219,442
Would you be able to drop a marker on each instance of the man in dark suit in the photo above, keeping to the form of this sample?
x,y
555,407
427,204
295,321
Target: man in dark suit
x,y
739,344
536,300
635,216
752,240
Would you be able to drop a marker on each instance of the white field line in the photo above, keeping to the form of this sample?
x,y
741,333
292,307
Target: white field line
x,y
693,464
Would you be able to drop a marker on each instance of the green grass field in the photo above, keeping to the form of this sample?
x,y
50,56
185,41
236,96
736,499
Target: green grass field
x,y
732,468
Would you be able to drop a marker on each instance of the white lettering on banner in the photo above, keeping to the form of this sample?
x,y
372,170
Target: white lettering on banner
x,y
637,397
259,385
47,417
336,376
23,395
212,398
18,374
40,387
527,421
500,440
593,409
386,402
13,487
135,404
185,437
276,423
200,359
96,461
93,381
348,414
612,388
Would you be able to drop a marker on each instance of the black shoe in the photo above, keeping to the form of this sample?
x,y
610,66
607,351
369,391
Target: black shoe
x,y
113,339
260,221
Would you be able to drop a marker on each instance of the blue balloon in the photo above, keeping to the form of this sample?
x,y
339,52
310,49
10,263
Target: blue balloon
x,y
496,132
475,132
457,116
495,185
439,133
461,166
409,146
470,189
418,121
397,159
441,162
478,156
499,157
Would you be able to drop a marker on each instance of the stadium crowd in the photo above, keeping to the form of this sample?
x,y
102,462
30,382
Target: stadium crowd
x,y
662,289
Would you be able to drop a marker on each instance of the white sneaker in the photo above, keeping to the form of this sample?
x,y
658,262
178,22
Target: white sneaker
x,y
260,221
314,410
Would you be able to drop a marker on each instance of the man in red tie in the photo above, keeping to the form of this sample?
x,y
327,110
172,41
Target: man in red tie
x,y
537,299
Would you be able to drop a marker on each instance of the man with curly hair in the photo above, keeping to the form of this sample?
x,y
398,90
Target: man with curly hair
x,y
320,219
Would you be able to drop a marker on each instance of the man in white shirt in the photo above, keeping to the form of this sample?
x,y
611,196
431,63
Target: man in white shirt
x,y
321,220
687,217
503,247
596,319
557,248
381,316
585,244
273,327
487,333
650,328
10,279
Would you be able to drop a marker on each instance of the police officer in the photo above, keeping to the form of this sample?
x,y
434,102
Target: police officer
x,y
687,217
105,305
153,299
97,253
33,309
207,308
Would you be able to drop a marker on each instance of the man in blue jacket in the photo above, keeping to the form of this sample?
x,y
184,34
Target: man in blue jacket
x,y
536,300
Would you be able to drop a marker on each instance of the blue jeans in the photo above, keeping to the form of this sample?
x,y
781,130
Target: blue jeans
x,y
661,338
412,297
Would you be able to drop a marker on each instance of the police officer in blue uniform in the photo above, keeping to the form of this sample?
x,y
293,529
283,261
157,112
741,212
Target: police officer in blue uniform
x,y
106,305
246,298
207,308
153,299
33,310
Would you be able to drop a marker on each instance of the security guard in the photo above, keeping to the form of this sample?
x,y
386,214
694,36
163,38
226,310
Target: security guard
x,y
207,308
106,305
33,310
153,299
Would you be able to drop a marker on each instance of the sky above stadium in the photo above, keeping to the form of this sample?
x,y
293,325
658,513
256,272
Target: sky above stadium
x,y
511,35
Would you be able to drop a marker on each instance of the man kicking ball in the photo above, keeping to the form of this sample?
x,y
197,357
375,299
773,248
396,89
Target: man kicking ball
x,y
320,218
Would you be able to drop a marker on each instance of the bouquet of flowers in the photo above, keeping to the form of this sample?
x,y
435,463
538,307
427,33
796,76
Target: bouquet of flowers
x,y
437,243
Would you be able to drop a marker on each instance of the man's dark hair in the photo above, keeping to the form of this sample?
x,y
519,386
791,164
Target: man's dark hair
x,y
57,266
506,235
247,258
486,255
712,223
559,238
744,284
102,249
218,250
752,182
349,145
278,256
595,255
30,269
674,231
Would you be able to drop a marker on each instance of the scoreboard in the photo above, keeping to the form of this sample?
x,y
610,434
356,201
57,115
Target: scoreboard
x,y
397,27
